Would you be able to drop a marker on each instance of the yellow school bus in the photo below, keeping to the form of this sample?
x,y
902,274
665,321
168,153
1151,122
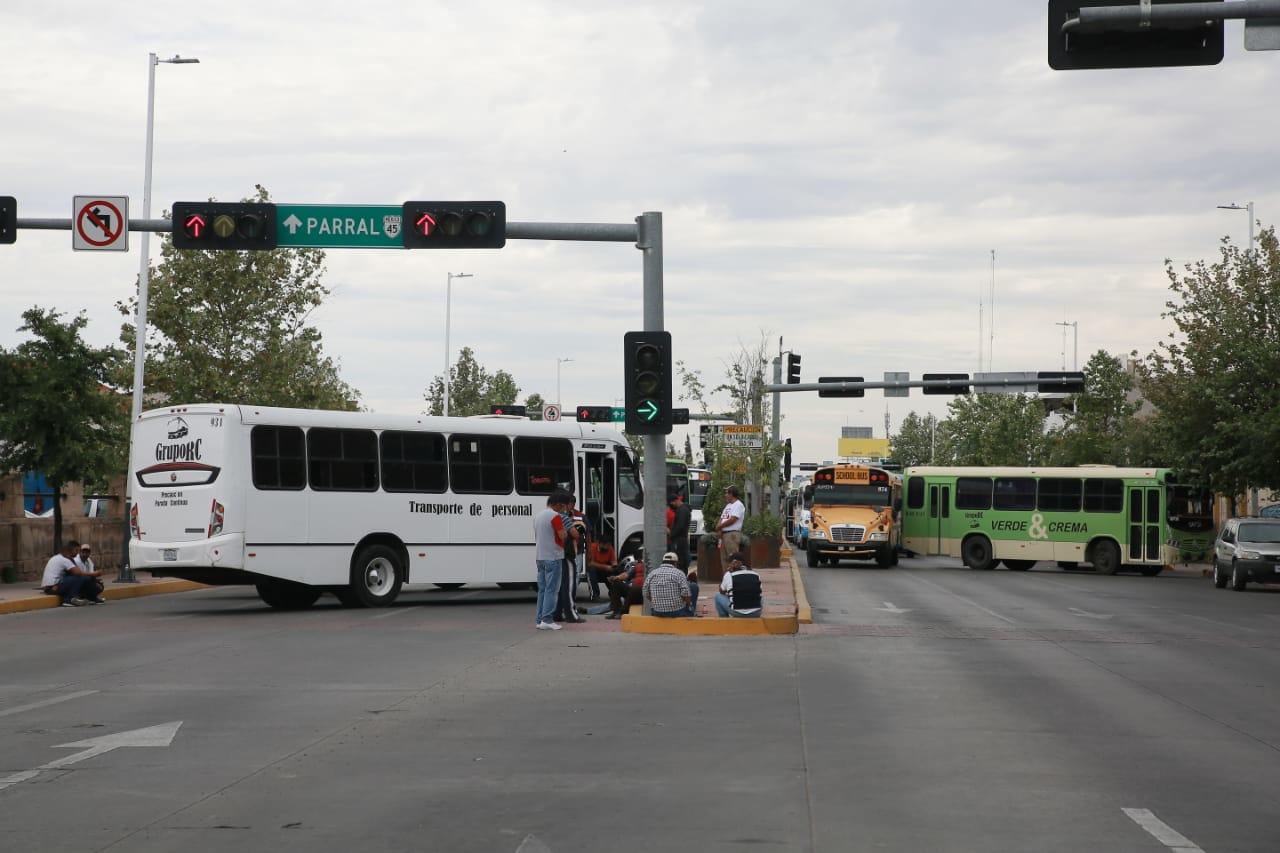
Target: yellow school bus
x,y
853,515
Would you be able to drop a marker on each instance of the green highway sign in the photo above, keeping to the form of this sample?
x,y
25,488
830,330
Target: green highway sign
x,y
618,414
349,226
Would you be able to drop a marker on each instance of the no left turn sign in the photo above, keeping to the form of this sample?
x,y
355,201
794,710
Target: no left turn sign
x,y
100,223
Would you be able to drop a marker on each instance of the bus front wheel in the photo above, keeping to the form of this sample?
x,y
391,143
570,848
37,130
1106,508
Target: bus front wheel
x,y
287,595
886,557
376,576
1106,558
977,553
812,554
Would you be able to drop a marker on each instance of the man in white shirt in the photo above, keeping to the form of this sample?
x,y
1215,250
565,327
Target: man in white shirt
x,y
61,578
84,562
729,528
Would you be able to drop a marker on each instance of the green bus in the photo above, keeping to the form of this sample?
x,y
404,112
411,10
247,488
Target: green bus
x,y
1116,519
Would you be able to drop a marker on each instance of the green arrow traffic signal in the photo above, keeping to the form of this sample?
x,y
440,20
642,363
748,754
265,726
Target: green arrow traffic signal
x,y
648,410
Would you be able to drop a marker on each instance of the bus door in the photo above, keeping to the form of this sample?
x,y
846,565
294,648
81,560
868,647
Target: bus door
x,y
939,510
1144,525
599,503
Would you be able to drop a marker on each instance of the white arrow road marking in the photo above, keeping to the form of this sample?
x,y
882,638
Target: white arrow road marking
x,y
293,223
161,735
54,701
889,608
532,845
1165,834
1077,611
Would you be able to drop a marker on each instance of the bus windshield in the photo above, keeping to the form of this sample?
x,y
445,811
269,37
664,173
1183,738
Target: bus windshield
x,y
1190,508
699,483
842,494
677,478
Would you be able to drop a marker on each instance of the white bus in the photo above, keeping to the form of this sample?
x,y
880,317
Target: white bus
x,y
300,502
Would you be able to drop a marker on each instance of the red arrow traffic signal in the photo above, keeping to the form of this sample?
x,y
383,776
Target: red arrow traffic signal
x,y
194,224
425,224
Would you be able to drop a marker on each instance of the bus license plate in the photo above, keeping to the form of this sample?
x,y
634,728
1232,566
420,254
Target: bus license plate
x,y
171,555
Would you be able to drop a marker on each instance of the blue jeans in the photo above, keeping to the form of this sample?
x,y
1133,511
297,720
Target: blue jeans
x,y
548,588
723,608
688,610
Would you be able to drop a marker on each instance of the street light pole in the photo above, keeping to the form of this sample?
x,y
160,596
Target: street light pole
x,y
559,361
1075,343
144,278
1253,493
448,305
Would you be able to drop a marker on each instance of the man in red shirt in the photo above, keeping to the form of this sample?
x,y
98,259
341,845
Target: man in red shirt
x,y
625,588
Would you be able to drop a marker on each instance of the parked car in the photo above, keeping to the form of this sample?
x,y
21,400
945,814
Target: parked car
x,y
1247,549
1272,511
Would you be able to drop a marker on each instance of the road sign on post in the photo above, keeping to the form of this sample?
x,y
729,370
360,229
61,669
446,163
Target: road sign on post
x,y
100,223
749,436
349,226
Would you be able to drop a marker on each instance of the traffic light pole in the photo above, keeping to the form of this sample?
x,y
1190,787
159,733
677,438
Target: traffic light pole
x,y
649,241
777,429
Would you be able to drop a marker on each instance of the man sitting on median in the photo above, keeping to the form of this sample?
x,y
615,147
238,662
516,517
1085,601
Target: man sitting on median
x,y
669,592
739,593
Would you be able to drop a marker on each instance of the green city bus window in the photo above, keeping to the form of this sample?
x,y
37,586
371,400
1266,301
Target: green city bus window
x,y
915,492
1015,493
1103,495
1057,495
973,493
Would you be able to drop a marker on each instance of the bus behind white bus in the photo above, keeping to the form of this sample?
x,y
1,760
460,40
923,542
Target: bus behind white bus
x,y
298,502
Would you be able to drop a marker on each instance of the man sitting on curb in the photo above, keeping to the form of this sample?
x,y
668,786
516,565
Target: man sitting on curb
x,y
63,578
669,592
625,588
739,593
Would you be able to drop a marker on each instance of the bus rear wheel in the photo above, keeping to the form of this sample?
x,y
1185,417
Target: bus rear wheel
x,y
977,554
376,576
287,595
1019,565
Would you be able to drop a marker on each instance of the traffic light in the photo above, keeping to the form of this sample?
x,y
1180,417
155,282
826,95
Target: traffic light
x,y
517,411
958,383
224,225
793,369
1131,44
594,414
679,416
852,392
8,219
454,224
1073,385
647,368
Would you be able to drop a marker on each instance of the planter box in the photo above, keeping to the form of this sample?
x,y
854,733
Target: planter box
x,y
765,552
710,569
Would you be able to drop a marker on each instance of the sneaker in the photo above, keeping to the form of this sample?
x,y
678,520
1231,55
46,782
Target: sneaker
x,y
98,600
68,604
614,615
548,626
79,602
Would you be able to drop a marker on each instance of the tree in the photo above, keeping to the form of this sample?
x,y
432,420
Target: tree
x,y
472,389
1097,425
58,415
534,404
996,429
1214,380
920,441
231,326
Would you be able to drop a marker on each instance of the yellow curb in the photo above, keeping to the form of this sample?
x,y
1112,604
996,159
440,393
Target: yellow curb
x,y
804,613
111,593
709,627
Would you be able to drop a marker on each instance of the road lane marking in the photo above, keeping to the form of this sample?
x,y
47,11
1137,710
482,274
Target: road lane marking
x,y
1224,624
1165,834
968,601
890,608
1077,611
54,701
161,735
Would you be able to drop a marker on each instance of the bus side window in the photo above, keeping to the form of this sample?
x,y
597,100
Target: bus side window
x,y
480,464
915,492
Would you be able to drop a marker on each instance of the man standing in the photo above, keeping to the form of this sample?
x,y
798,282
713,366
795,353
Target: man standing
x,y
548,539
729,528
575,530
683,515
668,591
740,591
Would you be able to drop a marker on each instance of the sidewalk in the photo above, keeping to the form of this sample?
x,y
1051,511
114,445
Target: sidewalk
x,y
26,595
785,607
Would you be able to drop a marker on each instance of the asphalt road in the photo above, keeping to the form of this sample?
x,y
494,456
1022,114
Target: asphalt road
x,y
930,709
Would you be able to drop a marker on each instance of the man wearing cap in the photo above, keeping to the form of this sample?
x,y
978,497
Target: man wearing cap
x,y
669,592
92,588
740,591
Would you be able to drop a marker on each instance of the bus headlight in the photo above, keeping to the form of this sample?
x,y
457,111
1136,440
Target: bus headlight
x,y
878,537
817,533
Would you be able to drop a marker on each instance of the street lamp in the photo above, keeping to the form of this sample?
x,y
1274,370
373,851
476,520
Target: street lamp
x,y
448,305
1248,207
144,277
1075,343
559,361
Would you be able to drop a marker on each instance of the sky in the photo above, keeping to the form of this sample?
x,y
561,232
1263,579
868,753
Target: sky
x,y
834,174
